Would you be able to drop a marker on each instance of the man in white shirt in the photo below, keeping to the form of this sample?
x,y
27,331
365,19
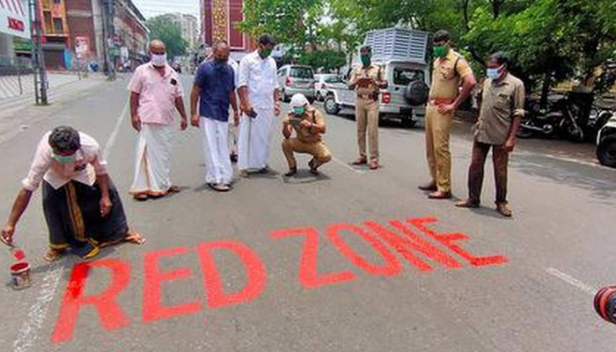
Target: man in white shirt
x,y
82,206
260,102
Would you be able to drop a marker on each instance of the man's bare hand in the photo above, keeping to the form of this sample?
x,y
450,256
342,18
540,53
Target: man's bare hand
x,y
184,123
136,122
446,109
7,235
277,109
194,120
509,145
305,123
105,206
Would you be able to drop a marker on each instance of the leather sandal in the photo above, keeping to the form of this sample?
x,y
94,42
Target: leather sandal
x,y
439,195
361,161
467,204
504,210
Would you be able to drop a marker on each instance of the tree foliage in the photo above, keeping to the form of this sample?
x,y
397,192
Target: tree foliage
x,y
327,60
548,40
168,32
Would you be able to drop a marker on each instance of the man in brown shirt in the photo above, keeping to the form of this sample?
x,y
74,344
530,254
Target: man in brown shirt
x,y
501,112
367,80
309,127
450,71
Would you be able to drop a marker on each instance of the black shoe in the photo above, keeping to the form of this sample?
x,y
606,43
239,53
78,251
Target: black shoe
x,y
292,172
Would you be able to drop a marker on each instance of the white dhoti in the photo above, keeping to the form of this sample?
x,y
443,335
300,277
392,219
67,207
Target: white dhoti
x,y
255,138
232,137
152,160
215,146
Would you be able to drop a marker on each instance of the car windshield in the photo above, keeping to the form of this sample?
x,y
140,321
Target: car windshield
x,y
331,79
403,76
302,72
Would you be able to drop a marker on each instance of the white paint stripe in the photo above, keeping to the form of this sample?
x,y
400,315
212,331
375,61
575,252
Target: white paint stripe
x,y
27,334
572,281
114,134
348,166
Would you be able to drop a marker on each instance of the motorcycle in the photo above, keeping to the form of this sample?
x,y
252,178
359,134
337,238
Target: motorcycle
x,y
561,118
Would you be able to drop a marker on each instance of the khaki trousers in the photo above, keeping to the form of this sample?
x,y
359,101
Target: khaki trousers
x,y
367,117
438,129
318,150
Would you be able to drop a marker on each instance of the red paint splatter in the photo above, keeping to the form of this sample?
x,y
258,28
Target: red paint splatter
x,y
111,315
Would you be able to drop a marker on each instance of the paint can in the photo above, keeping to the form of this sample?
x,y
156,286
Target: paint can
x,y
20,275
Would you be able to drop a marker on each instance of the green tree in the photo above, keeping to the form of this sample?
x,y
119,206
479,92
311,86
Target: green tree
x,y
327,60
170,33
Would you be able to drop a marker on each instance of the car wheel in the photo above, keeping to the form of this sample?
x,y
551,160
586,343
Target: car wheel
x,y
330,105
606,151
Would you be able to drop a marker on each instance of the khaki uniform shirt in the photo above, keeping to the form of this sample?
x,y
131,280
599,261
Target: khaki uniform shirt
x,y
447,74
500,103
373,71
304,134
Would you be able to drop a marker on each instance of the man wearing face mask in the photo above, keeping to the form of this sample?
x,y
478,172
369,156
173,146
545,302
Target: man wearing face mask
x,y
501,113
309,127
367,80
82,206
260,102
214,87
450,71
156,91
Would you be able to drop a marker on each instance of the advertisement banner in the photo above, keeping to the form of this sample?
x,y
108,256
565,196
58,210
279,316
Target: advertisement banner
x,y
14,18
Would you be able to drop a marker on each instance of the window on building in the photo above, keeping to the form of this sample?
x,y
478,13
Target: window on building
x,y
57,25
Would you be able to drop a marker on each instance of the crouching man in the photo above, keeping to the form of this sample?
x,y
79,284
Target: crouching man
x,y
309,127
81,205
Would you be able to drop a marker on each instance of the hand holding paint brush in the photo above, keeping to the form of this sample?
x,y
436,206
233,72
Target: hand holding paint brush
x,y
7,235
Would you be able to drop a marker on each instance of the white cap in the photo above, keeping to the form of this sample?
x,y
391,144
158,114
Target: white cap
x,y
298,100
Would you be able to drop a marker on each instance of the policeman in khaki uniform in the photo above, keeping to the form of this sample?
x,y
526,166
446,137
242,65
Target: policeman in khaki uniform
x,y
450,71
367,80
309,127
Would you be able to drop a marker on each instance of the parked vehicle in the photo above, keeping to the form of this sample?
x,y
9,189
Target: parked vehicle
x,y
401,53
322,84
294,79
606,143
561,118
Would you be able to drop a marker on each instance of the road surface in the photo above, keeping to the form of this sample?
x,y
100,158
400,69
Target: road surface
x,y
352,260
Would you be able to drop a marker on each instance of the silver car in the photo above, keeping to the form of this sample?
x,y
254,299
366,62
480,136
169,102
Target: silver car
x,y
294,79
323,82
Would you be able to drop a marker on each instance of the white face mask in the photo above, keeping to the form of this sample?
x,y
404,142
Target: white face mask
x,y
159,60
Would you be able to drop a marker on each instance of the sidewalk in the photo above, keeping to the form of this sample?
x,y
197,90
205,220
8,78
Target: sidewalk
x,y
23,85
18,112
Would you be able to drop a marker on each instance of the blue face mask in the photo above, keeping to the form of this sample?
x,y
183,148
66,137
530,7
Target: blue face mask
x,y
493,73
64,159
299,110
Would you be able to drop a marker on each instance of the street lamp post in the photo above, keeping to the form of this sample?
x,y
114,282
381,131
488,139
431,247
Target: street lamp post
x,y
38,59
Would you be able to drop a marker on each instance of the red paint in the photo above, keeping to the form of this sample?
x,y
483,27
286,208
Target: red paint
x,y
111,315
411,242
19,267
391,264
152,287
19,255
255,272
449,240
308,270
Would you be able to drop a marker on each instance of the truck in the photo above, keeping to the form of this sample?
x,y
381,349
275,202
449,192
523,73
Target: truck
x,y
401,53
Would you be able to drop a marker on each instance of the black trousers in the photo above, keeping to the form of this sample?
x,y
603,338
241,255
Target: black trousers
x,y
500,159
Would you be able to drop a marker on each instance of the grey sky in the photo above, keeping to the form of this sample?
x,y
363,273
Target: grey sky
x,y
151,8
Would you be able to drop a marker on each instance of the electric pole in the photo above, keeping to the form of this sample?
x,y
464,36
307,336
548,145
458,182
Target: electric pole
x,y
38,59
108,7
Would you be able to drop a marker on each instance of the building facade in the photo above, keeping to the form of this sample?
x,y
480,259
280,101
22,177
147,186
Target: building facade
x,y
219,20
14,25
190,28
